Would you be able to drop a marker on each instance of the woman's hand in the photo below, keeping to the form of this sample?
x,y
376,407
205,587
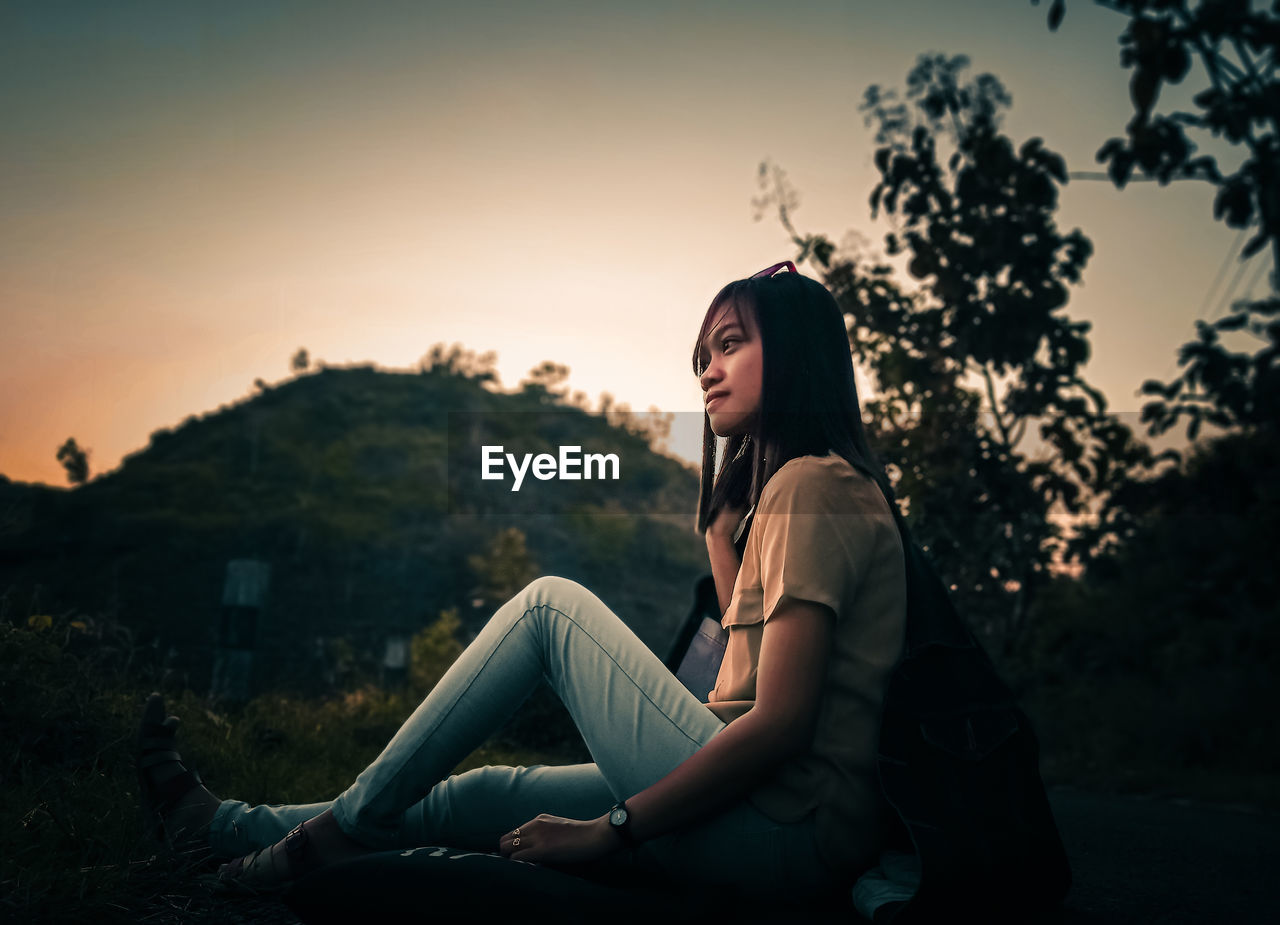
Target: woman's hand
x,y
556,840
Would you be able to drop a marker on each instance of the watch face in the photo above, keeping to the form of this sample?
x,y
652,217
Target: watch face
x,y
618,816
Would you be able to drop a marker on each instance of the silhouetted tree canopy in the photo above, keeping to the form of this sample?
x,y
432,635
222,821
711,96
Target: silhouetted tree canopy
x,y
547,380
1237,47
976,349
75,461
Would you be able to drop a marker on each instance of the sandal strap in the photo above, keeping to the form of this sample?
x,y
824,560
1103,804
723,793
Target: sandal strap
x,y
295,845
257,872
151,759
170,793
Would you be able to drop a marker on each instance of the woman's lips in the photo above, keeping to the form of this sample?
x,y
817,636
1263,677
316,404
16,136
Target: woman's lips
x,y
711,401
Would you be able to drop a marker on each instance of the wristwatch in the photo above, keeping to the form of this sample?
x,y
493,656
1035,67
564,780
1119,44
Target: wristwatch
x,y
620,820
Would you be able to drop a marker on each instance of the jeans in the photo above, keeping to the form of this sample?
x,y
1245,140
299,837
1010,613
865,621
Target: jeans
x,y
638,721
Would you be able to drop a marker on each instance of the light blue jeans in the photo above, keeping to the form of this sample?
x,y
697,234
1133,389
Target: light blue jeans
x,y
638,721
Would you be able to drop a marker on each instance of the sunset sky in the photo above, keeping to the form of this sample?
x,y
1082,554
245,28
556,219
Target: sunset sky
x,y
193,192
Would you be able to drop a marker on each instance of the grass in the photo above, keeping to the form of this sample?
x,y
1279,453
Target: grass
x,y
72,848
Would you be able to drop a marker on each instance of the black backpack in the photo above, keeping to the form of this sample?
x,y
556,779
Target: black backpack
x,y
958,762
959,768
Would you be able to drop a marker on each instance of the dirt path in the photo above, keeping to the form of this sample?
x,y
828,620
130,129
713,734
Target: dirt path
x,y
1138,860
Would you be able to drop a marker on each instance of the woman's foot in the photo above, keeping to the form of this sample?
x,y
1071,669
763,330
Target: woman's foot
x,y
314,844
177,805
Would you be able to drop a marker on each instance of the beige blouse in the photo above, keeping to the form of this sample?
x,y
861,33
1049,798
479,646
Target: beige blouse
x,y
823,532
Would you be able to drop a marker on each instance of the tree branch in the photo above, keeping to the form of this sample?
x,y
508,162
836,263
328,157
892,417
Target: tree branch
x,y
995,409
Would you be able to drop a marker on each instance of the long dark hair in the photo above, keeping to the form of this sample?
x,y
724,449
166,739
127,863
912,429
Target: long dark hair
x,y
809,399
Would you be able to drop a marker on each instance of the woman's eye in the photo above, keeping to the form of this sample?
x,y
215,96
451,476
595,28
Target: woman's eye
x,y
724,344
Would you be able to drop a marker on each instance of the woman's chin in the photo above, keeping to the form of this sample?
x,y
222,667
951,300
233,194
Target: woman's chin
x,y
727,424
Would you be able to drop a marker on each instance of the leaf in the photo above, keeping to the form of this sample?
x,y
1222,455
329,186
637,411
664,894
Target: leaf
x,y
1056,166
1120,168
1234,202
1207,99
1176,63
1109,150
1256,243
1232,322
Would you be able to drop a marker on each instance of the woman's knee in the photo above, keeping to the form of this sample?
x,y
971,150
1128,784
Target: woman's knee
x,y
551,599
551,590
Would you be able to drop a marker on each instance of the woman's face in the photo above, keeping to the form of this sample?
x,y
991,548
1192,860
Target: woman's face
x,y
731,381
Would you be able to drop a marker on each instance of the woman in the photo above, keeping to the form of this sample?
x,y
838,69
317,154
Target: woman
x,y
769,787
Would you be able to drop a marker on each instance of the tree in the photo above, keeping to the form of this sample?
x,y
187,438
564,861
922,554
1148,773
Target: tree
x,y
505,568
454,360
654,426
982,325
432,650
1164,656
300,361
547,381
75,461
1237,48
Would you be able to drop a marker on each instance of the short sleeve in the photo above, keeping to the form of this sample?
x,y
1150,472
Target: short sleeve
x,y
816,534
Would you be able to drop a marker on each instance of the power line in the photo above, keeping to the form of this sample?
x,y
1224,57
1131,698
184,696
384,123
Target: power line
x,y
1248,290
1103,175
1230,296
1222,271
1230,290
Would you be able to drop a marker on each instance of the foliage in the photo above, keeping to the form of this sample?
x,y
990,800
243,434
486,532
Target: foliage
x,y
432,650
546,381
72,849
1238,48
974,218
455,360
1162,665
340,481
504,568
75,460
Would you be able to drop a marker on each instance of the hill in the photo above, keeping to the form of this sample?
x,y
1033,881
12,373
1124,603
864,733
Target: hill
x,y
355,492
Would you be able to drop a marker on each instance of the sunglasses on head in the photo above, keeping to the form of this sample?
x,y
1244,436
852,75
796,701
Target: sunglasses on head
x,y
775,269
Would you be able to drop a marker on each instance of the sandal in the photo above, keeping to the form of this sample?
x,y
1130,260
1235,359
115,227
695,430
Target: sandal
x,y
157,736
257,874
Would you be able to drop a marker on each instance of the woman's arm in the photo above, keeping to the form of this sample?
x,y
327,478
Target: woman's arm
x,y
794,650
723,554
724,566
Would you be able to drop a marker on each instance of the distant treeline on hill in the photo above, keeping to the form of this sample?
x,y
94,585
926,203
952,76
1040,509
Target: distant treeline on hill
x,y
337,488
